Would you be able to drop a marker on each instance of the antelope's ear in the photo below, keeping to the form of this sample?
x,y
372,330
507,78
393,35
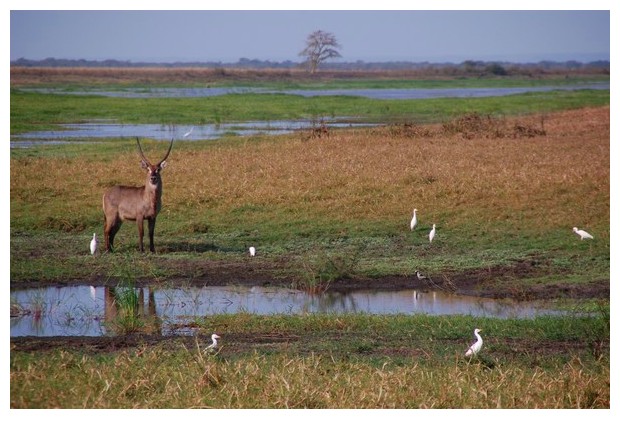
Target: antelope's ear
x,y
163,164
144,165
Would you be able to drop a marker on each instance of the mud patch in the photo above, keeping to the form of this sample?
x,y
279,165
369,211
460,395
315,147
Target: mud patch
x,y
495,282
240,344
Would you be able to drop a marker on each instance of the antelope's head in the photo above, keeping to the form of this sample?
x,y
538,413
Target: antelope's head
x,y
154,170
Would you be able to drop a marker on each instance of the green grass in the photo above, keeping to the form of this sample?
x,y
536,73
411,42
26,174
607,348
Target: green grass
x,y
33,112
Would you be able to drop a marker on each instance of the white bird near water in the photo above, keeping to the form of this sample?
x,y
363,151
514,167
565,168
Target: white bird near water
x,y
421,277
475,347
93,244
213,345
252,251
188,133
431,235
414,219
582,233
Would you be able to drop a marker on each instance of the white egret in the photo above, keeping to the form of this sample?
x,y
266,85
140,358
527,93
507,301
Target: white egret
x,y
431,235
93,292
213,345
252,251
188,133
93,244
421,277
582,233
414,219
475,347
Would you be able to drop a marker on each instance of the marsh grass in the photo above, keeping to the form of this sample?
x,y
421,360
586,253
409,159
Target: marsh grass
x,y
324,209
33,112
320,268
315,382
163,379
327,361
495,200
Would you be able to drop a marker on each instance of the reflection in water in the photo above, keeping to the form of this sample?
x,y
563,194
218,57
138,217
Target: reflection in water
x,y
95,311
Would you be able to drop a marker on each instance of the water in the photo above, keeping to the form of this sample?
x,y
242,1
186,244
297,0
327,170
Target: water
x,y
85,133
91,311
380,94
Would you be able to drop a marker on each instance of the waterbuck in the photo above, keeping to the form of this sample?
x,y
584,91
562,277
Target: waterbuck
x,y
134,203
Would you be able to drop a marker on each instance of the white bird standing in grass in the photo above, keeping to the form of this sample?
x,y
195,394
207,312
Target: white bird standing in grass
x,y
93,244
188,133
252,251
432,234
475,347
582,233
414,219
213,345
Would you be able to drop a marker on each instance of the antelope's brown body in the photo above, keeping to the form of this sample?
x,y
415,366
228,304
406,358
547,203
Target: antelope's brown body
x,y
135,203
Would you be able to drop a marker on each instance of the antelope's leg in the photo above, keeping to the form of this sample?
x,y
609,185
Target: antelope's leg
x,y
152,233
140,222
110,228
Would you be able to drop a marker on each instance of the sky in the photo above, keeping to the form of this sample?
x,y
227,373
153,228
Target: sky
x,y
279,35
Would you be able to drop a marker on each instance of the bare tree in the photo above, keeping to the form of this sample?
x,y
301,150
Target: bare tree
x,y
320,46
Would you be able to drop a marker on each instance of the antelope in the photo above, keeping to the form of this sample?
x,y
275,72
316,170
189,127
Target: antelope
x,y
135,203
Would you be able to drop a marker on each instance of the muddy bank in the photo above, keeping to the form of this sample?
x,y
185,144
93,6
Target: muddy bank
x,y
496,282
237,344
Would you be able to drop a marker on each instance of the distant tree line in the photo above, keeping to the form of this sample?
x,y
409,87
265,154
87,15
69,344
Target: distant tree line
x,y
470,66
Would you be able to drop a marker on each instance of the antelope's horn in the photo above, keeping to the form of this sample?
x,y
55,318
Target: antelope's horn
x,y
142,153
167,153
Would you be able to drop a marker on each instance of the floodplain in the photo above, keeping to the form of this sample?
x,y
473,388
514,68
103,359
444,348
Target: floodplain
x,y
328,209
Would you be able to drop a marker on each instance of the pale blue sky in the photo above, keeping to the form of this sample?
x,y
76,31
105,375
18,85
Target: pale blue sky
x,y
434,36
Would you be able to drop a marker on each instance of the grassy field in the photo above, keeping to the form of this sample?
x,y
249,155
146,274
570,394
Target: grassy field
x,y
497,198
504,179
436,77
322,361
34,111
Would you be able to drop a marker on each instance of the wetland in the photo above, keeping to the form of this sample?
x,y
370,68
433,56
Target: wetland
x,y
329,215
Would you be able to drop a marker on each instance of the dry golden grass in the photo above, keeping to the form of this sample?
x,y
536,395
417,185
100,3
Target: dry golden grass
x,y
156,378
140,75
545,182
557,180
203,75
